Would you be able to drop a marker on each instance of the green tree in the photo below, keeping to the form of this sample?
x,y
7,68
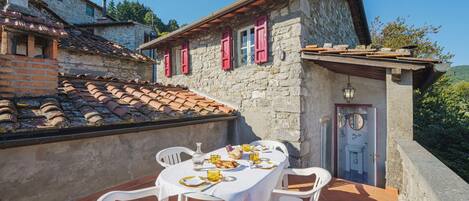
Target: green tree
x,y
398,34
133,10
441,117
172,25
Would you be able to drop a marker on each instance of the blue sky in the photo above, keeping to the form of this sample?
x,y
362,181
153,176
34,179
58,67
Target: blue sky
x,y
451,15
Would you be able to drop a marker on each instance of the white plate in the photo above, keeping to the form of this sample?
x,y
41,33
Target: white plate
x,y
192,181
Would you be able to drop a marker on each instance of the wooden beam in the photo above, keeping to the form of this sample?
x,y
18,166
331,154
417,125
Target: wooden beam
x,y
4,43
378,63
54,49
31,45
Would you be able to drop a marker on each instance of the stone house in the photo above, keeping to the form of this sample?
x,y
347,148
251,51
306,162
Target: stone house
x,y
92,17
82,51
251,55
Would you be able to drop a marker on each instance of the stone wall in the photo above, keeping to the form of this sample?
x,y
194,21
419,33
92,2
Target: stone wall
x,y
268,96
425,178
73,11
130,36
72,169
334,19
79,63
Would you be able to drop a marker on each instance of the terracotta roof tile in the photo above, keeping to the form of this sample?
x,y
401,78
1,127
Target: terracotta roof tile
x,y
16,20
83,41
94,101
366,52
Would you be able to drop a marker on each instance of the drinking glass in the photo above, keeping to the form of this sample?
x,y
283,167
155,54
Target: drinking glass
x,y
254,157
214,158
213,175
246,147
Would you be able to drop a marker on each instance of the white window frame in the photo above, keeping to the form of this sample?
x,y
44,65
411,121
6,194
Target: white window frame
x,y
248,47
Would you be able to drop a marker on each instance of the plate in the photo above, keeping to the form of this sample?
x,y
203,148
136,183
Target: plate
x,y
222,167
192,181
266,165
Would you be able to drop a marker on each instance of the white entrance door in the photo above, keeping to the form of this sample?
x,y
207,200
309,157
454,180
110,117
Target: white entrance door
x,y
356,144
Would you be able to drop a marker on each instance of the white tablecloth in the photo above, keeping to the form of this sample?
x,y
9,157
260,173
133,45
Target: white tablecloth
x,y
251,184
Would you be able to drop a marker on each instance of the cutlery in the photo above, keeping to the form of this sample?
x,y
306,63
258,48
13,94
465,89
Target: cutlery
x,y
210,186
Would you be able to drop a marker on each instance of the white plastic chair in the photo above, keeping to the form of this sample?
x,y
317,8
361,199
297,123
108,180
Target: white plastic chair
x,y
129,195
323,177
198,196
172,155
271,144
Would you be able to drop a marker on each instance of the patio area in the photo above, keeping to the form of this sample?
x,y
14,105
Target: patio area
x,y
337,190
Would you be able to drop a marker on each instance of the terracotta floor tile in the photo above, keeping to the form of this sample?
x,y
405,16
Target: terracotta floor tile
x,y
337,190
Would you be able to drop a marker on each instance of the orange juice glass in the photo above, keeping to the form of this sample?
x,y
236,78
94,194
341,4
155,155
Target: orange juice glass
x,y
254,157
214,158
213,175
246,147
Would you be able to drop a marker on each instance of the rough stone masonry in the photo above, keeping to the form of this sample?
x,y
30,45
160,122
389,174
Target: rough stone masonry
x,y
268,96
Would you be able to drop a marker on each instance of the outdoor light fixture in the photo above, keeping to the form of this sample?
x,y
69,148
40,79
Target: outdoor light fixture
x,y
349,91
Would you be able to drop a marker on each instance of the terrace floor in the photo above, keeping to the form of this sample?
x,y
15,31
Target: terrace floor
x,y
337,190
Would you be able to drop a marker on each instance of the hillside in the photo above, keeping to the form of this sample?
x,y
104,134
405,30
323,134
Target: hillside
x,y
459,73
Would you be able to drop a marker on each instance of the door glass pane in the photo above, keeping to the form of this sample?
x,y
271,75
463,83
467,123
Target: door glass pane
x,y
354,146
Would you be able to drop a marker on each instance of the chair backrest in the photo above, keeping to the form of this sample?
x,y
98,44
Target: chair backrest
x,y
323,177
201,196
271,144
172,155
129,195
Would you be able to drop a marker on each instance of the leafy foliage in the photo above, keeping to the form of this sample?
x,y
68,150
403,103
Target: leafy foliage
x,y
441,115
133,10
459,73
398,34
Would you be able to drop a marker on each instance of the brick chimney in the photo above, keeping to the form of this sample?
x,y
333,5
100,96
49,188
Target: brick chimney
x,y
28,53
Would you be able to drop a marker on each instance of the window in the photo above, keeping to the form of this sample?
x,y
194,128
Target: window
x,y
176,60
89,10
246,46
19,44
41,46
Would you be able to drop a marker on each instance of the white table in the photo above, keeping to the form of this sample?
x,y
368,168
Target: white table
x,y
251,184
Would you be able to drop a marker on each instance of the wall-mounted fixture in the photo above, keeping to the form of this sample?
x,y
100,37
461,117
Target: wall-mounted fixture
x,y
349,92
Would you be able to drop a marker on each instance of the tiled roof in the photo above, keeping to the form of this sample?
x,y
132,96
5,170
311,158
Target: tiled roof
x,y
83,41
84,101
16,20
366,52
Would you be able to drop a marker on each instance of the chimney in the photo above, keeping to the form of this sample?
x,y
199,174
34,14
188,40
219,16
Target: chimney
x,y
104,8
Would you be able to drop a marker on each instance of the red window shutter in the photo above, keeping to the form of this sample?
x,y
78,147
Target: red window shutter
x,y
185,58
226,49
261,43
167,63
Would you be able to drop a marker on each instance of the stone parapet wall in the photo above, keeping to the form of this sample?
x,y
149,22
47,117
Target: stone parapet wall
x,y
69,170
78,63
425,178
